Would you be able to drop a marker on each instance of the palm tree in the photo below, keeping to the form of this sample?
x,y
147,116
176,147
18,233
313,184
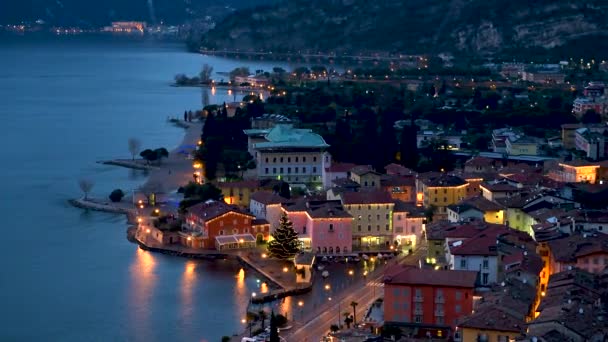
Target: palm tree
x,y
347,319
354,305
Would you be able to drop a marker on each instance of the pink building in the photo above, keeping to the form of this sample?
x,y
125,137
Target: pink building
x,y
324,226
408,224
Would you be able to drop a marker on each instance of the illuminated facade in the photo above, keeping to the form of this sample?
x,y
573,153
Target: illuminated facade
x,y
576,171
373,217
441,191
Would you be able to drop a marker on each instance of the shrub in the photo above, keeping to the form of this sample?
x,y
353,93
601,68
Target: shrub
x,y
116,195
281,320
225,338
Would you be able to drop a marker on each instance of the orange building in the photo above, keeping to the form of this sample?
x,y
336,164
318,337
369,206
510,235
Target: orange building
x,y
576,171
402,188
215,224
427,302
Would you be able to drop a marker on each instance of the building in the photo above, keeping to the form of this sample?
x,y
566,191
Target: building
x,y
215,224
479,165
476,208
268,121
373,222
575,171
366,177
398,170
126,27
431,302
267,205
522,145
593,141
512,70
491,324
336,171
500,136
238,192
544,75
569,135
493,191
408,224
441,191
324,227
402,188
295,155
594,89
587,251
252,80
581,105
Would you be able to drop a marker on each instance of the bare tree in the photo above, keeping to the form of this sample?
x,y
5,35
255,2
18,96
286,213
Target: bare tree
x,y
134,147
86,186
206,72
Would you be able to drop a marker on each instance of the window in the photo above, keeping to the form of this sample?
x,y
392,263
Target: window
x,y
274,160
303,170
281,159
289,159
221,232
377,228
413,228
458,295
274,170
398,217
369,217
314,169
365,183
396,292
463,264
369,228
395,305
445,191
314,159
484,278
405,306
485,263
359,227
457,308
331,227
234,222
373,183
221,223
235,231
303,159
378,217
281,170
288,170
387,228
387,216
445,199
439,320
267,160
418,319
266,170
406,292
296,170
369,207
418,292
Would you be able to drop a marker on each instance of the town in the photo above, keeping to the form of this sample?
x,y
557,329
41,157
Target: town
x,y
476,205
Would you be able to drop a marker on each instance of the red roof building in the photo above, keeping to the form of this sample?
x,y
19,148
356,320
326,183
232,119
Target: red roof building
x,y
427,301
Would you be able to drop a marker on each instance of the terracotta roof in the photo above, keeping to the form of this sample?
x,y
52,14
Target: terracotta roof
x,y
478,202
396,169
259,222
329,209
444,229
579,162
210,210
485,242
479,161
340,167
368,197
362,169
396,180
516,259
491,318
569,249
408,275
444,180
268,197
499,187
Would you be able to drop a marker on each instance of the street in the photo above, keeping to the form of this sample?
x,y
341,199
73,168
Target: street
x,y
365,293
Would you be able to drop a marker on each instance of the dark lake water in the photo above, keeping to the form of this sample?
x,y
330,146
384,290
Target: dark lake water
x,y
69,275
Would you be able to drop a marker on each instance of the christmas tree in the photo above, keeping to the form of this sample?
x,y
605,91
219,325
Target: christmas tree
x,y
285,244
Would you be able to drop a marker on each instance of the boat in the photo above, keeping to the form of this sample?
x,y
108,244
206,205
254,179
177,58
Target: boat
x,y
320,267
364,256
357,259
325,274
324,259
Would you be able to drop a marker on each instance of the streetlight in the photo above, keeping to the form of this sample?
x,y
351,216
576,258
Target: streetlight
x,y
351,272
248,322
301,305
327,287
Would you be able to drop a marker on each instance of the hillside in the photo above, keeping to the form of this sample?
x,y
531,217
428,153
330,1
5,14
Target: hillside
x,y
471,27
97,13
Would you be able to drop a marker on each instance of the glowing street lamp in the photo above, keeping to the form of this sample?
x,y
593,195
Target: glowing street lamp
x,y
351,272
285,269
327,287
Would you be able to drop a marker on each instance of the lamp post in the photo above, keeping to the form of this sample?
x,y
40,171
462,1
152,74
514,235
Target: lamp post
x,y
301,305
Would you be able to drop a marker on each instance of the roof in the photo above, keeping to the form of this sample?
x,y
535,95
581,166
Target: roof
x,y
499,187
259,222
578,163
213,209
229,239
444,180
268,197
408,275
411,209
397,180
285,135
479,161
492,318
396,169
570,248
368,197
362,170
482,244
340,167
329,209
478,202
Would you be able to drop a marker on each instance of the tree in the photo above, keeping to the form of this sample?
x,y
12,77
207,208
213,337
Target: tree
x,y
134,147
285,244
148,155
205,74
86,186
429,212
347,320
241,71
161,153
116,195
591,117
334,328
225,338
408,149
282,189
354,305
274,329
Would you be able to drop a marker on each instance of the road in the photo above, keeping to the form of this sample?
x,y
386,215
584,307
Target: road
x,y
365,293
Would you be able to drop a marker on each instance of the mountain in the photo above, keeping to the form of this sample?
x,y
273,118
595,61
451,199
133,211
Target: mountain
x,y
95,13
462,27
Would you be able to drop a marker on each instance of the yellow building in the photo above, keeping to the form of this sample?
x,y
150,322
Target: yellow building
x,y
491,324
476,208
373,213
365,177
522,145
576,171
238,193
440,192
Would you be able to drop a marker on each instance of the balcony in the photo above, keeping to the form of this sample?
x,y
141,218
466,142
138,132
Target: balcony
x,y
439,313
418,299
440,299
418,311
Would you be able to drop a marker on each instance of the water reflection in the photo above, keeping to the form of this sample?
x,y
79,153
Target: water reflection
x,y
189,279
143,281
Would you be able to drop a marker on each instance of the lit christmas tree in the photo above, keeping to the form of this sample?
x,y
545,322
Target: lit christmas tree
x,y
285,244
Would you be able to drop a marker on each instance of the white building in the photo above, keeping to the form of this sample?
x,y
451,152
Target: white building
x,y
479,253
297,156
267,205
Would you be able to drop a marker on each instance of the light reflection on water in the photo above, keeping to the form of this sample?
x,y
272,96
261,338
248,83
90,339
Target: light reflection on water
x,y
143,281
